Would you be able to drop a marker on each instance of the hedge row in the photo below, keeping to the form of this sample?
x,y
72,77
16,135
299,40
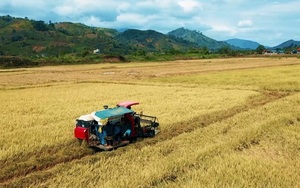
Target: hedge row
x,y
11,62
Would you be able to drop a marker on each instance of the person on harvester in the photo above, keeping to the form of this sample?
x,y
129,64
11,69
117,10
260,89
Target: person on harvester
x,y
101,133
132,121
102,129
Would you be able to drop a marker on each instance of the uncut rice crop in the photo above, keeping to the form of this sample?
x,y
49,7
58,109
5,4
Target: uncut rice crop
x,y
45,116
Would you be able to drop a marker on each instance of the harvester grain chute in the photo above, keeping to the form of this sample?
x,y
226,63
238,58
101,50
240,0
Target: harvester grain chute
x,y
110,128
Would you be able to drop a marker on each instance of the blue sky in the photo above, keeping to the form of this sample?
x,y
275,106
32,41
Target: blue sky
x,y
265,21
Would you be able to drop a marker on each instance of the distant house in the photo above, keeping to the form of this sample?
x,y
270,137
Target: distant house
x,y
97,51
297,51
279,51
269,52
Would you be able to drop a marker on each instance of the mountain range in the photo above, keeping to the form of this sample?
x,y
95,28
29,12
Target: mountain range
x,y
287,44
24,37
244,44
198,38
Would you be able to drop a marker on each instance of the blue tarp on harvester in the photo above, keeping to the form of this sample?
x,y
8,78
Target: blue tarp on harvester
x,y
118,111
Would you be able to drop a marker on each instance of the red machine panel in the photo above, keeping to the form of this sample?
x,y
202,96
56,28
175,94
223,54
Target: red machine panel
x,y
81,133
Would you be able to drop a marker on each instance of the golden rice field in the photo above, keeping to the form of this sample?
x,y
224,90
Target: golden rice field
x,y
224,123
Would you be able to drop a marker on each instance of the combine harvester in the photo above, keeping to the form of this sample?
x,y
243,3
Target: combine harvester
x,y
111,128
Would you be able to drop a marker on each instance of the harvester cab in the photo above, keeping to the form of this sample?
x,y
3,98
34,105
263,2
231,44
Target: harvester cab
x,y
114,127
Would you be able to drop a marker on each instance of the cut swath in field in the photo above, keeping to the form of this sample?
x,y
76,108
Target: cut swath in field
x,y
212,155
184,104
42,150
57,154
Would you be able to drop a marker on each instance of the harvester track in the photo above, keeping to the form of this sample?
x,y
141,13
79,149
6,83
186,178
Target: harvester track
x,y
16,171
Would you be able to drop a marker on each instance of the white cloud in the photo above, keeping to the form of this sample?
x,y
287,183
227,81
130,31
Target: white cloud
x,y
79,8
28,3
122,7
129,17
283,7
221,28
190,5
64,10
244,23
219,19
92,21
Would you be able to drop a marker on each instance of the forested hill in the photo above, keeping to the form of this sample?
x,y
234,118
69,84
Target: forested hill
x,y
25,37
31,38
245,44
198,38
153,41
288,44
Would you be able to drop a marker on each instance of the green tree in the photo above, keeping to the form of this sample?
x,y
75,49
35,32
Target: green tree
x,y
260,49
51,25
40,25
85,53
